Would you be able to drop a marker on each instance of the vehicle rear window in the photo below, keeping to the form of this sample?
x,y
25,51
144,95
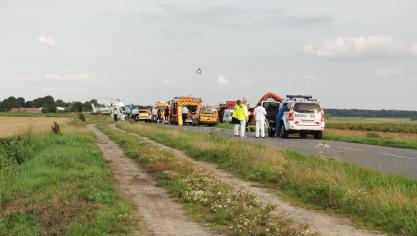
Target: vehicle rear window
x,y
143,111
307,107
207,110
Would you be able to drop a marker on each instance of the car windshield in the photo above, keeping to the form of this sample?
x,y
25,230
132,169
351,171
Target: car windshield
x,y
307,107
209,110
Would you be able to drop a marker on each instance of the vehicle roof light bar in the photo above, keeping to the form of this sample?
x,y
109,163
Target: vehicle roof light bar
x,y
300,96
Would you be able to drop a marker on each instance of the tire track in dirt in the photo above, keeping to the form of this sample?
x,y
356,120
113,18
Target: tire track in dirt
x,y
318,222
156,214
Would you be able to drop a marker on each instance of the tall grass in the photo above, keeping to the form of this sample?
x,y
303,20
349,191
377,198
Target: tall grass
x,y
59,184
373,199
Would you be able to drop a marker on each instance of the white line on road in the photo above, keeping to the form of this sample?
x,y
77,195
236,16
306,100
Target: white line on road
x,y
398,156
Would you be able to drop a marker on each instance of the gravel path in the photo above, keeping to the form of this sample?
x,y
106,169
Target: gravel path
x,y
156,213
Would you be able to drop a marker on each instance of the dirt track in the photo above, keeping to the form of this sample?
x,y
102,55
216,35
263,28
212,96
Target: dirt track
x,y
156,213
321,223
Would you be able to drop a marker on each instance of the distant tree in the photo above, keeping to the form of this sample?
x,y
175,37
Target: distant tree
x,y
87,106
94,101
48,104
60,103
77,107
9,103
38,102
20,102
29,104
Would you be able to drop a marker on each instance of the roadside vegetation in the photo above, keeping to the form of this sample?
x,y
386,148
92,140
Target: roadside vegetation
x,y
376,138
206,198
58,185
372,199
374,125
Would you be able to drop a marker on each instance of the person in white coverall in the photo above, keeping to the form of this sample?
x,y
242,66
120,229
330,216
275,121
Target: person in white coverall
x,y
259,114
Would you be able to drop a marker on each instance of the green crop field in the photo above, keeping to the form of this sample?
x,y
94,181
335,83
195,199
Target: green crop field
x,y
374,124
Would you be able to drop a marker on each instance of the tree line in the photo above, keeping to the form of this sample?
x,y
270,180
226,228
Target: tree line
x,y
372,113
47,104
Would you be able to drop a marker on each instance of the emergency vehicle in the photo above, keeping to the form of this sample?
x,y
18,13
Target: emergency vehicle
x,y
175,107
160,106
303,115
145,114
206,115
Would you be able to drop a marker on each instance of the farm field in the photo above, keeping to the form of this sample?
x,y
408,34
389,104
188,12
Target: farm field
x,y
373,124
12,126
369,197
400,133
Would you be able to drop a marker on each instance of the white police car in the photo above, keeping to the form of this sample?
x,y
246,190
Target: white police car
x,y
303,115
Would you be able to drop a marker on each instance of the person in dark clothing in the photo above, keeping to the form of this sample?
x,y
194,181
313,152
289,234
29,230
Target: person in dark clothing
x,y
278,120
166,114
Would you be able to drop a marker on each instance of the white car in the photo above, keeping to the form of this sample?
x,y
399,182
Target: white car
x,y
303,115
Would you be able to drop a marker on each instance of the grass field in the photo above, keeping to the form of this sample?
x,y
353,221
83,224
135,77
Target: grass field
x,y
373,199
12,126
58,184
382,125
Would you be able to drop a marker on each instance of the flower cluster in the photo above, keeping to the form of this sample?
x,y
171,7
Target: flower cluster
x,y
244,214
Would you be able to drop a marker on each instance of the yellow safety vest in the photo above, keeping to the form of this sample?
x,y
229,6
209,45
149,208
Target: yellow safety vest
x,y
239,112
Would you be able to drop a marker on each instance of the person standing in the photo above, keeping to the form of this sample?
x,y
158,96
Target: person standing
x,y
246,118
154,114
235,118
259,114
240,116
166,114
278,120
184,112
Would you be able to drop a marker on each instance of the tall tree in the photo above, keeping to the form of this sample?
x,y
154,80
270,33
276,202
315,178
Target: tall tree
x,y
48,104
77,107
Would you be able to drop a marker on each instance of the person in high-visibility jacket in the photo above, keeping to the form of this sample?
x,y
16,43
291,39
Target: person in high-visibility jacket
x,y
240,116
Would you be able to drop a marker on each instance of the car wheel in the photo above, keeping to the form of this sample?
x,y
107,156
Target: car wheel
x,y
318,135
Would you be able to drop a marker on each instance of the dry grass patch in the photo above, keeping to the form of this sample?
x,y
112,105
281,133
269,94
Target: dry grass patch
x,y
12,126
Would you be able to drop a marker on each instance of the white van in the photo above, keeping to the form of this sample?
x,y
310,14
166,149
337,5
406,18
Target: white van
x,y
303,115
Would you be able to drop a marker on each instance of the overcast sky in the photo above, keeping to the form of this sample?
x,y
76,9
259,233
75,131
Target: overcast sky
x,y
348,54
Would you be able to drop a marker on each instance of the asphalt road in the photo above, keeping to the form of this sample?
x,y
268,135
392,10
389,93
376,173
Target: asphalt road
x,y
386,159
